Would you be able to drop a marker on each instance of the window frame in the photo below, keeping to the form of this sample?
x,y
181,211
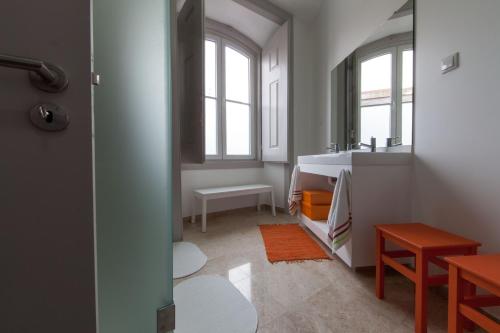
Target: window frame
x,y
222,41
399,97
218,142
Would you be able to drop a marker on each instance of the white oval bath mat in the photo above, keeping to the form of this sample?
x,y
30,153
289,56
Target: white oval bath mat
x,y
188,259
211,303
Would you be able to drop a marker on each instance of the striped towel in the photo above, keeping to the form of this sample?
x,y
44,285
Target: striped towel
x,y
295,192
339,217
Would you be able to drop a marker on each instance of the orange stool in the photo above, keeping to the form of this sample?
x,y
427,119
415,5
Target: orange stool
x,y
482,271
425,244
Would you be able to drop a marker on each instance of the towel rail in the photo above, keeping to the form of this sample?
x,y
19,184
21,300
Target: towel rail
x,y
43,75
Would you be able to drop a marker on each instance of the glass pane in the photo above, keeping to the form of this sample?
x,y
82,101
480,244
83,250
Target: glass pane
x,y
407,75
210,68
237,76
376,122
407,123
376,80
237,129
210,126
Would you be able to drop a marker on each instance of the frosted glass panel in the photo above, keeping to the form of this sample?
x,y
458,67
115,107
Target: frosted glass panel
x,y
237,76
210,69
210,126
133,158
376,122
237,129
407,123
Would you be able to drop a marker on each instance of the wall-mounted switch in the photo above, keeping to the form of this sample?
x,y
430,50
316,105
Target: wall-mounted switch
x,y
449,63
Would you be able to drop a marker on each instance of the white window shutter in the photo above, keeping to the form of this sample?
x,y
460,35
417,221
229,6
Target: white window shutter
x,y
191,34
275,64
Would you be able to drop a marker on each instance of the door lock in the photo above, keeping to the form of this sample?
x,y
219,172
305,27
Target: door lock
x,y
49,117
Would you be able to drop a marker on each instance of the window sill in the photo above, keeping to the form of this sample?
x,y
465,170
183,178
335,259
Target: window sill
x,y
227,164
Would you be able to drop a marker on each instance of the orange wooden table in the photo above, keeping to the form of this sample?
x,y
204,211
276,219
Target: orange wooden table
x,y
425,244
484,272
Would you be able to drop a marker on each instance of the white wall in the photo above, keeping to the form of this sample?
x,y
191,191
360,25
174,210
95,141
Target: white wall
x,y
194,179
276,174
47,231
271,174
457,117
305,140
342,26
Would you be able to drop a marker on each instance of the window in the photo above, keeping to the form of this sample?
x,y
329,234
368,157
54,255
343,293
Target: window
x,y
385,91
229,100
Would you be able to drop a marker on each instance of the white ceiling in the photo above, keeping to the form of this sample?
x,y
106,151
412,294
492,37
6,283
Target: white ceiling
x,y
392,27
254,26
306,10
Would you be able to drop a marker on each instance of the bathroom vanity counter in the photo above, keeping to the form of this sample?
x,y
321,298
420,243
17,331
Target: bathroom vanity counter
x,y
380,194
358,157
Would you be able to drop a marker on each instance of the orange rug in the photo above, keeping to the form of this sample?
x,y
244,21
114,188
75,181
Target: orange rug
x,y
289,242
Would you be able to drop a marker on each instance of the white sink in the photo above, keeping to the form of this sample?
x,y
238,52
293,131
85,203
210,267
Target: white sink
x,y
342,158
357,157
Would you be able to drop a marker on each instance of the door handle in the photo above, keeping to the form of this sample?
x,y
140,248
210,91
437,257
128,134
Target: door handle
x,y
43,75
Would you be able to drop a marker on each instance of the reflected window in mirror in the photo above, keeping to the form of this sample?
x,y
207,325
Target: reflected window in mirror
x,y
372,89
385,92
375,87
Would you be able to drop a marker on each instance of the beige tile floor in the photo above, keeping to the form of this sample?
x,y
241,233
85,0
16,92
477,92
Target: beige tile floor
x,y
310,296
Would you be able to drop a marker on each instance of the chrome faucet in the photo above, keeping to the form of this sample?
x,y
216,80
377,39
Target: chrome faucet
x,y
393,142
372,145
333,148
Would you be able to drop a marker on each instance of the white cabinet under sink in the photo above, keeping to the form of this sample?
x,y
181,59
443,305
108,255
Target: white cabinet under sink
x,y
381,193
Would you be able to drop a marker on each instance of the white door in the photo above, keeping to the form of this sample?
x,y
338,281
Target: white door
x,y
275,97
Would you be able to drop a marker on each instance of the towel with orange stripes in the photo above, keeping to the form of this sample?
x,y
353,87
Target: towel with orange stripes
x,y
339,218
295,192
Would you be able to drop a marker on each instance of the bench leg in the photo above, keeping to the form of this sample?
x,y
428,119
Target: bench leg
x,y
204,215
421,285
379,265
272,203
193,210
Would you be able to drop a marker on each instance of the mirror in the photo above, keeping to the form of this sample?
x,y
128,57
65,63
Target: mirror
x,y
372,89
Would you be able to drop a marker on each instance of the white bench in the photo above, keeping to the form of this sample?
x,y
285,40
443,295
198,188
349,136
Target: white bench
x,y
227,192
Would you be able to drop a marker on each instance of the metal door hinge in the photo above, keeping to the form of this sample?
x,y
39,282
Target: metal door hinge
x,y
165,319
96,79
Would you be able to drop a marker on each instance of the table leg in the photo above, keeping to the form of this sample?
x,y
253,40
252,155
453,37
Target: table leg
x,y
204,215
454,297
380,270
193,210
469,289
258,202
421,284
272,203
